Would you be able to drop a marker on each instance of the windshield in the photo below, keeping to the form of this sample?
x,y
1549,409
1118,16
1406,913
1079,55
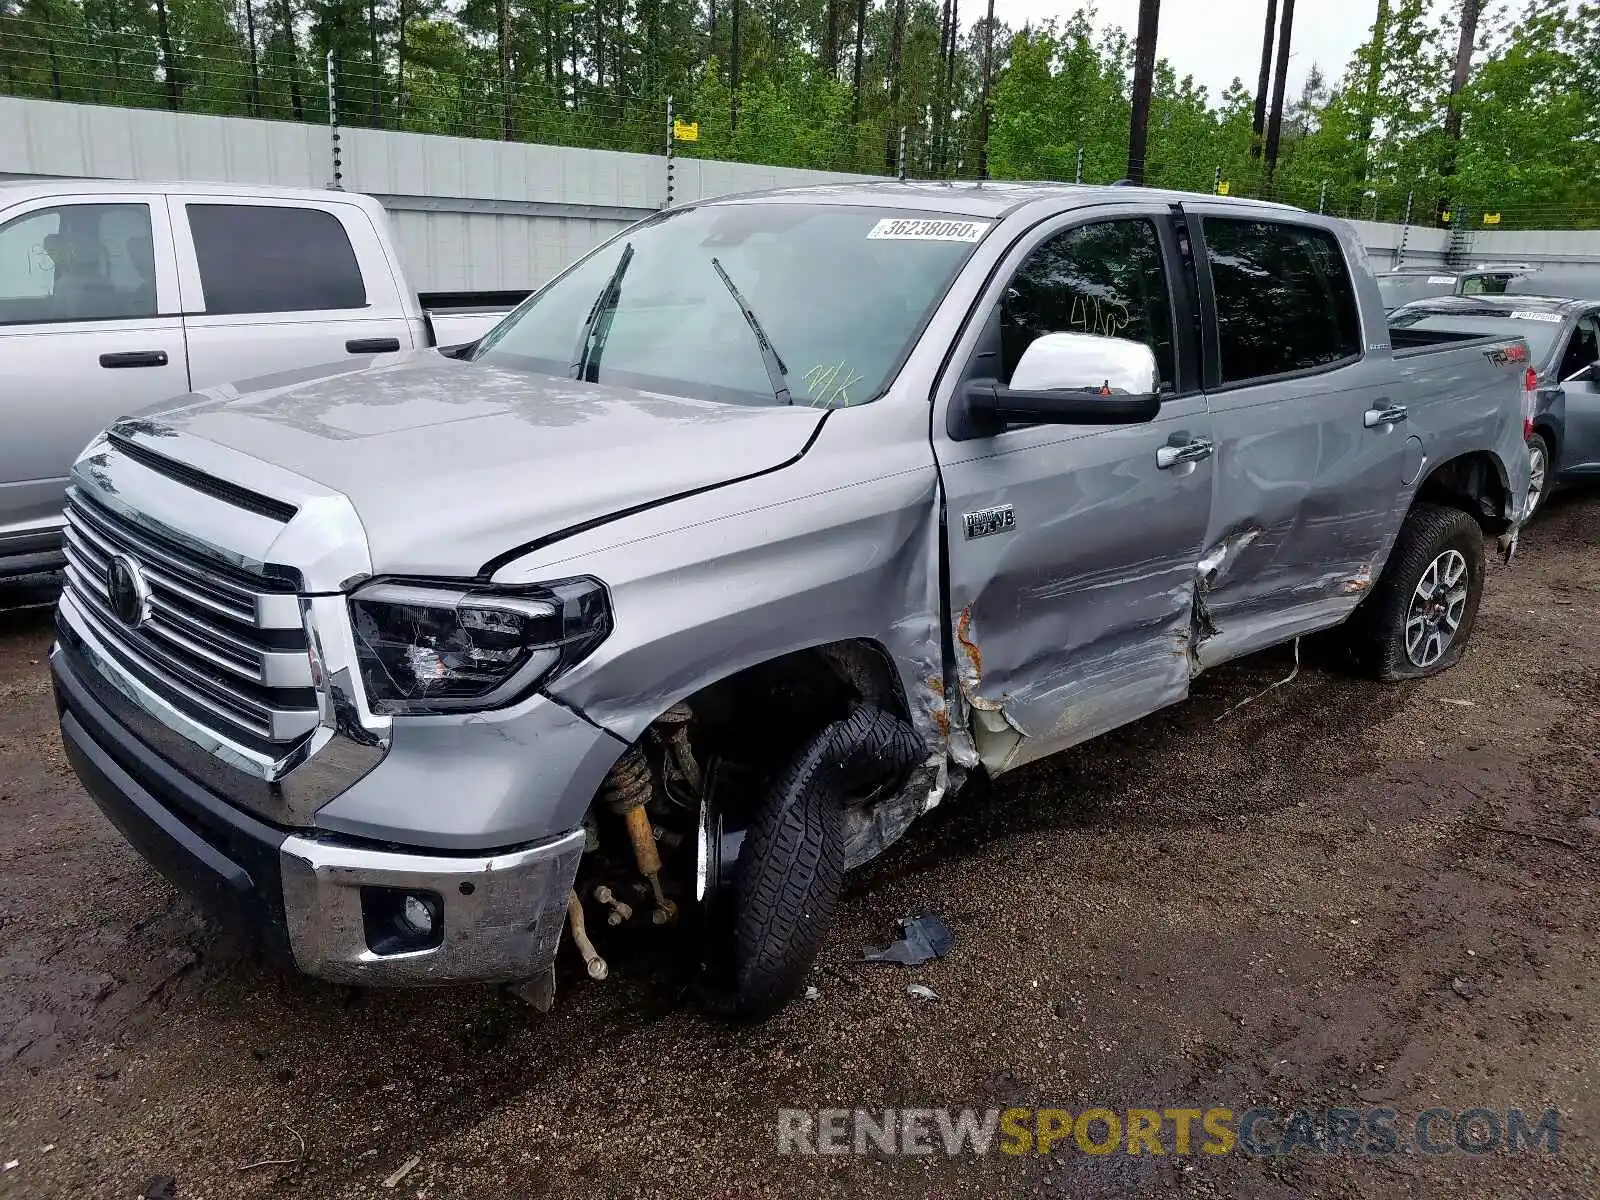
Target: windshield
x,y
1403,289
839,294
1538,329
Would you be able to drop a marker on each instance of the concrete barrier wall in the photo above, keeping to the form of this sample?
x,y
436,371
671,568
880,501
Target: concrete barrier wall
x,y
477,214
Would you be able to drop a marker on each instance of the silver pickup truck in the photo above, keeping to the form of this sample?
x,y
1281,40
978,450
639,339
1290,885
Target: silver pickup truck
x,y
739,547
117,296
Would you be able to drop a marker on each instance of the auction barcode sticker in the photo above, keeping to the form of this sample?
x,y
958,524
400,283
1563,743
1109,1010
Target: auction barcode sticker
x,y
1548,318
904,229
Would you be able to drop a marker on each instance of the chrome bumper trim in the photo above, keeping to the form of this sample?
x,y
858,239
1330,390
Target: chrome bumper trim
x,y
502,913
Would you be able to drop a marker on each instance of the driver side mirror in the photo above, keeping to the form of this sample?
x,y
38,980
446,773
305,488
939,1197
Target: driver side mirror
x,y
1068,379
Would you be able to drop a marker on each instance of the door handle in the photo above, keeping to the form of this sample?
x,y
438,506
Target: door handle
x,y
372,345
135,358
1168,457
1393,414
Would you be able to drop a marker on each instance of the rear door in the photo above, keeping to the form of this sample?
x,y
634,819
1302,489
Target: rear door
x,y
1310,477
1071,549
89,331
273,285
1581,395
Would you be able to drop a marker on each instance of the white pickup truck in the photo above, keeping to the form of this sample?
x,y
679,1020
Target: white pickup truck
x,y
115,296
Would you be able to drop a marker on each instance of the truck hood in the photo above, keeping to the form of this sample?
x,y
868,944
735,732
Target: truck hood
x,y
450,464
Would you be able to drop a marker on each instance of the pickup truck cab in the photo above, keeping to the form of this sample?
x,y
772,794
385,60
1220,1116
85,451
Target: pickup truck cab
x,y
115,296
1563,338
740,546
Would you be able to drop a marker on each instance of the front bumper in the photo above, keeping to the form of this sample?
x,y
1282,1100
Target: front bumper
x,y
309,898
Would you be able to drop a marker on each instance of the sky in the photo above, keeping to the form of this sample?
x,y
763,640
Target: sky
x,y
1216,40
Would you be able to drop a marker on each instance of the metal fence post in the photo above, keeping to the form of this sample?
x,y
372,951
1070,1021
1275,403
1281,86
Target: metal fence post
x,y
333,120
1322,198
1078,177
902,162
671,137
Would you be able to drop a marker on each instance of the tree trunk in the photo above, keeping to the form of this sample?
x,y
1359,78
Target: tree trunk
x,y
830,40
1144,70
502,48
169,69
255,62
861,32
547,30
1275,121
1259,124
1458,84
400,64
1369,101
286,31
377,70
983,108
891,134
733,72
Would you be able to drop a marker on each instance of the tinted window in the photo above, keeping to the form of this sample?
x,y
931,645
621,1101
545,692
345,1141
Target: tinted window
x,y
78,262
1108,278
1284,298
261,259
1583,350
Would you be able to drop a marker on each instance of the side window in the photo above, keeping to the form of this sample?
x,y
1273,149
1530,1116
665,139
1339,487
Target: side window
x,y
1583,349
260,259
1108,278
77,262
1284,298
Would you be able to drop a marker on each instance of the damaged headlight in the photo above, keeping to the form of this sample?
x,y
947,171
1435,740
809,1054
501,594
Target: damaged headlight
x,y
426,648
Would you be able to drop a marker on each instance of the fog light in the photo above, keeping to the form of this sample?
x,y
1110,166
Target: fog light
x,y
401,921
416,917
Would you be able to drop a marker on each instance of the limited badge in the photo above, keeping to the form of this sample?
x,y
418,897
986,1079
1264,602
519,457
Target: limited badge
x,y
987,521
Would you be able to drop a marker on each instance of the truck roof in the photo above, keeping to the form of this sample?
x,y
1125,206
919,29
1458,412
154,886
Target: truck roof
x,y
989,198
12,190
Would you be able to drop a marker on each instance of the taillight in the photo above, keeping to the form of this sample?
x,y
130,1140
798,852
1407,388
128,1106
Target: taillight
x,y
1527,428
1530,381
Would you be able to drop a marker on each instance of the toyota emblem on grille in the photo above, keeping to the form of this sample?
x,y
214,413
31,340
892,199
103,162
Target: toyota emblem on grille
x,y
127,591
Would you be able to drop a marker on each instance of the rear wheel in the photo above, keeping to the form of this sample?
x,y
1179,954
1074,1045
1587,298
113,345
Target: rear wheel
x,y
1540,479
1417,620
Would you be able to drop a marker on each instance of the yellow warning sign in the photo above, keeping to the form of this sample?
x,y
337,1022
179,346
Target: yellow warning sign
x,y
1222,187
686,131
1491,218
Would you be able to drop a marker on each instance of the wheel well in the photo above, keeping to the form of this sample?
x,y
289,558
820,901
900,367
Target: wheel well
x,y
1475,484
767,711
1546,428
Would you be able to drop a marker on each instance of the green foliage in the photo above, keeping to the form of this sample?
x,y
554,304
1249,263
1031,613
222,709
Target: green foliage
x,y
1371,141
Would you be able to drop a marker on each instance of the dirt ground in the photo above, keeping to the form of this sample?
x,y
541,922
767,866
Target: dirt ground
x,y
1339,895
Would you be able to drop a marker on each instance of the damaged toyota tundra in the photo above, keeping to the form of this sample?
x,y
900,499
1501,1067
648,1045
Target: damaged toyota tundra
x,y
739,546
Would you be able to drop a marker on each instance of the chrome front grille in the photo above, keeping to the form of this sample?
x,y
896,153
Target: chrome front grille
x,y
226,647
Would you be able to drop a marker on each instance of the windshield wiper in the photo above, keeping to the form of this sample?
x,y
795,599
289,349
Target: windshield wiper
x,y
592,338
769,357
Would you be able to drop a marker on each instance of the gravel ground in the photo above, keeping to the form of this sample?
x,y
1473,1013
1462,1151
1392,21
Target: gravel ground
x,y
1340,895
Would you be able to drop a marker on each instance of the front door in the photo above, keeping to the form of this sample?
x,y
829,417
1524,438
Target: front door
x,y
1310,430
89,332
1071,550
1581,393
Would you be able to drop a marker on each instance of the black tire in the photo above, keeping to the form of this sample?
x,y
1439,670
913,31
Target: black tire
x,y
1537,444
1378,630
791,864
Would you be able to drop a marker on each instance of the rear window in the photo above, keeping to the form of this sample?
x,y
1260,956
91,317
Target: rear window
x,y
261,258
1539,330
1576,285
1284,299
1403,289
